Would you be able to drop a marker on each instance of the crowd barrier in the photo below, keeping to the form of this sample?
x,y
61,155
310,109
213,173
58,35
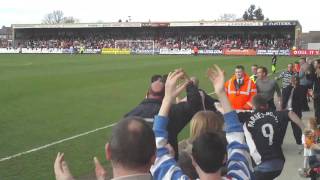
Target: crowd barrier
x,y
175,51
45,51
302,52
210,52
115,51
145,51
269,52
239,52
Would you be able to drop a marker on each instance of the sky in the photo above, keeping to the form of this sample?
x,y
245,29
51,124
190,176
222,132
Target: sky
x,y
90,11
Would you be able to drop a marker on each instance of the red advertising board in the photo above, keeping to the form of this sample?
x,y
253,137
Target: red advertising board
x,y
239,52
302,52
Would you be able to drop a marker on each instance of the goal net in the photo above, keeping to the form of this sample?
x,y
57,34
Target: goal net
x,y
136,46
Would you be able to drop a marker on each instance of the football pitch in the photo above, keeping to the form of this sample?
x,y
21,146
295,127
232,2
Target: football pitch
x,y
51,103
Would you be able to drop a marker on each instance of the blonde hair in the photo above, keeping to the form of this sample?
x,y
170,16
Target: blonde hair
x,y
205,121
312,124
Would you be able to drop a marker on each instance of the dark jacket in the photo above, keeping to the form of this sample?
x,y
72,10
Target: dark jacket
x,y
180,114
209,102
297,98
315,84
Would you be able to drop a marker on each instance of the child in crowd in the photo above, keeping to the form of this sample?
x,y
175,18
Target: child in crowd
x,y
310,140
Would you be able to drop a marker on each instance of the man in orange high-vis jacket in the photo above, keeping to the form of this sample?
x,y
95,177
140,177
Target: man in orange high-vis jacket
x,y
240,89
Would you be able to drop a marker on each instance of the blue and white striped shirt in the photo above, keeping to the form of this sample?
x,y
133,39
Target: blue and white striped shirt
x,y
239,161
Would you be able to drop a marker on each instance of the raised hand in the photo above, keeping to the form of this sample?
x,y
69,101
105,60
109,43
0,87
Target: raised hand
x,y
101,173
61,169
172,89
216,76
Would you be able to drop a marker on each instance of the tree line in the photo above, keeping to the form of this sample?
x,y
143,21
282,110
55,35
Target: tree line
x,y
250,14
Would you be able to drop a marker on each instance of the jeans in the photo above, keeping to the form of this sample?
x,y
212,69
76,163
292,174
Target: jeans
x,y
268,170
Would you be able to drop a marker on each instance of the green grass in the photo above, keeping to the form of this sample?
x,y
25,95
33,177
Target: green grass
x,y
45,98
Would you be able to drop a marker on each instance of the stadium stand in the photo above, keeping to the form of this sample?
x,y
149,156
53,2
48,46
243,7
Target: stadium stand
x,y
207,35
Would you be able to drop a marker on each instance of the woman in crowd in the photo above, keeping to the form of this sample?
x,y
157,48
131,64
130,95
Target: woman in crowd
x,y
202,122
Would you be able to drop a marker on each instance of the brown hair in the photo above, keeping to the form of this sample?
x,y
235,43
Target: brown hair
x,y
205,121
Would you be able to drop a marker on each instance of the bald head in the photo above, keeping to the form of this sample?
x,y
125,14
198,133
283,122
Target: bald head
x,y
132,144
195,81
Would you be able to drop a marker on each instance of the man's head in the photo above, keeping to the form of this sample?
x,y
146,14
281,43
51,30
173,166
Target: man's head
x,y
290,67
310,61
132,145
254,69
156,90
262,72
302,61
209,152
260,103
239,72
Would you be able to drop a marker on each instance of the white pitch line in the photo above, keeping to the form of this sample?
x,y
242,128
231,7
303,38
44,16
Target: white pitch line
x,y
16,65
60,141
54,143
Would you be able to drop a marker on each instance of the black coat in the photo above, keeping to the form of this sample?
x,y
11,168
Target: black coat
x,y
297,99
179,116
209,102
316,84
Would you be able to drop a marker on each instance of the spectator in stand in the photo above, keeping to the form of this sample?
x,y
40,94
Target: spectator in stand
x,y
208,151
240,89
163,39
267,87
131,151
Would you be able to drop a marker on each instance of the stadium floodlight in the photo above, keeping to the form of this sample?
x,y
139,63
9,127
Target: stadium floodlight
x,y
137,46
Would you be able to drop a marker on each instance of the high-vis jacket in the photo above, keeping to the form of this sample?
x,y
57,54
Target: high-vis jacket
x,y
253,78
240,95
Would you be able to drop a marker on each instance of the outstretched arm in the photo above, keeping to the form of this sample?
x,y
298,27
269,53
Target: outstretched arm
x,y
216,77
293,116
239,162
165,165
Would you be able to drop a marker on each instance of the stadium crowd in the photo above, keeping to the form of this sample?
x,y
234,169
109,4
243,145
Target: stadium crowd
x,y
239,135
163,40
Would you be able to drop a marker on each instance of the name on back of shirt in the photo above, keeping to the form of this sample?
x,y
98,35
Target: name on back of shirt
x,y
260,115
